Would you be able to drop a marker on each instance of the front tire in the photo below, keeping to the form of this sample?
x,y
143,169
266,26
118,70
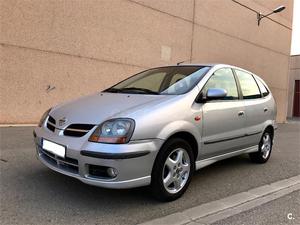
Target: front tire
x,y
172,170
265,149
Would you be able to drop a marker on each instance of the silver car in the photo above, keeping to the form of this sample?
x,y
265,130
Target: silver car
x,y
159,126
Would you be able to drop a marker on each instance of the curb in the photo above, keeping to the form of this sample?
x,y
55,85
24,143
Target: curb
x,y
220,209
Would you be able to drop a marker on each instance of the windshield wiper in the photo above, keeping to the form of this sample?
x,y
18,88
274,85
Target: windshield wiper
x,y
131,90
136,89
113,90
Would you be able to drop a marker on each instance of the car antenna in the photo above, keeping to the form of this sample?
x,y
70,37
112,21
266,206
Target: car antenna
x,y
180,63
183,62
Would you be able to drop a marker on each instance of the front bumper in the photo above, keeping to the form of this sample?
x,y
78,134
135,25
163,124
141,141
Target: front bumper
x,y
133,161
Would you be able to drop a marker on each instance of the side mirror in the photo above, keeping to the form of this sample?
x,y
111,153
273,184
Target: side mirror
x,y
215,93
211,94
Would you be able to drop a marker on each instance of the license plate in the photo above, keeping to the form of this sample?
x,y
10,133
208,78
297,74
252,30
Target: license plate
x,y
54,148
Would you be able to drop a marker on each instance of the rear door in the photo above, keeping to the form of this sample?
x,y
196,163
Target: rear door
x,y
256,107
223,120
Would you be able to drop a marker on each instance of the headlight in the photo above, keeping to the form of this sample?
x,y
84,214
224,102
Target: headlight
x,y
115,131
44,117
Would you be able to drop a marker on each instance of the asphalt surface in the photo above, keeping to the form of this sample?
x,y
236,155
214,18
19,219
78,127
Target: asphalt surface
x,y
32,194
282,211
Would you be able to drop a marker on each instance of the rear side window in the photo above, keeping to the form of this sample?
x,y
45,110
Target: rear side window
x,y
249,86
223,78
264,91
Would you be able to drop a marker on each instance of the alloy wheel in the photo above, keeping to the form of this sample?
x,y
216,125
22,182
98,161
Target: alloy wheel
x,y
266,145
176,170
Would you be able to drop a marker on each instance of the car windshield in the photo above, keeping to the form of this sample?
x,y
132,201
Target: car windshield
x,y
172,80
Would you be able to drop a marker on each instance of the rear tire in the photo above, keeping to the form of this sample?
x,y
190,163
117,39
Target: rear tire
x,y
172,170
265,149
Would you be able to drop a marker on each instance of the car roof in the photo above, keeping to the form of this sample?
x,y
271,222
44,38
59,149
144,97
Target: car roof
x,y
218,65
192,64
212,65
206,64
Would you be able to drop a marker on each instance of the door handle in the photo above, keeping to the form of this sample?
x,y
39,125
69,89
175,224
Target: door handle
x,y
241,113
265,109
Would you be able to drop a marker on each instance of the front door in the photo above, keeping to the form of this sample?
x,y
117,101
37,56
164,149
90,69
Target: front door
x,y
223,120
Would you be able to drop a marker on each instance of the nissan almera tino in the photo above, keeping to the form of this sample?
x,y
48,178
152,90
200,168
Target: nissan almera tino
x,y
159,126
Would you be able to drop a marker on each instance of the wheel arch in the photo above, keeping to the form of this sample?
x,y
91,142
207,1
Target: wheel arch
x,y
187,136
271,129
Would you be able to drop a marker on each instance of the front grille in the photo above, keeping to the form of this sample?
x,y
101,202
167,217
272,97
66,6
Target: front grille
x,y
51,120
68,164
78,130
51,123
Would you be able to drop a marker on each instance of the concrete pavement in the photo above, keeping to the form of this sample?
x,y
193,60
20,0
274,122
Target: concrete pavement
x,y
282,211
32,194
221,209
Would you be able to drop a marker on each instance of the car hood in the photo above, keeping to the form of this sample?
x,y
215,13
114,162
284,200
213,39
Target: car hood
x,y
95,109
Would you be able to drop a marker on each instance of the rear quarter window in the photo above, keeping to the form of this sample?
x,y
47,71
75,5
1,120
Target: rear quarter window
x,y
264,91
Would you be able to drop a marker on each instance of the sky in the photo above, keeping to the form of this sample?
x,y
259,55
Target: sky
x,y
295,48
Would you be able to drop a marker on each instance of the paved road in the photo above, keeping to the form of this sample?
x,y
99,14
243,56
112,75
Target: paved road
x,y
33,194
285,210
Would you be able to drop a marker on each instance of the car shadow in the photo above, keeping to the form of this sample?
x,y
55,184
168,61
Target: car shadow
x,y
57,192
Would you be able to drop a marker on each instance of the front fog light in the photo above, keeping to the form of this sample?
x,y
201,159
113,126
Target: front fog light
x,y
112,172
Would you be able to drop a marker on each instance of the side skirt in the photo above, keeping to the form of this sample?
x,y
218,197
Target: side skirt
x,y
205,162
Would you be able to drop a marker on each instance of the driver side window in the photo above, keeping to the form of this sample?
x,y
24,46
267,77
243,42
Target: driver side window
x,y
223,78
